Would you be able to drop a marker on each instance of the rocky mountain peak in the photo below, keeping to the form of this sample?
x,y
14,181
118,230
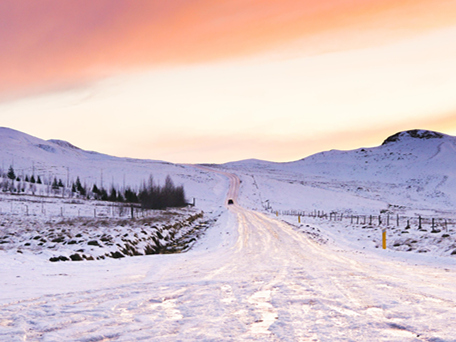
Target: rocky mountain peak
x,y
414,134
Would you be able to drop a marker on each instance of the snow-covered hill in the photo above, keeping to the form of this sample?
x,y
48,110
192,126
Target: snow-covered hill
x,y
411,171
56,158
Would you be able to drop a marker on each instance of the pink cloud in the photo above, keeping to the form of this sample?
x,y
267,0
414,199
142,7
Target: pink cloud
x,y
55,42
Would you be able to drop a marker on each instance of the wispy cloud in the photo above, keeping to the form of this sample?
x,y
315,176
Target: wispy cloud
x,y
49,43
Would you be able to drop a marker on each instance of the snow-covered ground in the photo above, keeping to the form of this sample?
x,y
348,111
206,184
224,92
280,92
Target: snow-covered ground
x,y
258,276
82,238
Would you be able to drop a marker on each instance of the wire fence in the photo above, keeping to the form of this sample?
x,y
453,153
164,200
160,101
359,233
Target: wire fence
x,y
58,207
386,220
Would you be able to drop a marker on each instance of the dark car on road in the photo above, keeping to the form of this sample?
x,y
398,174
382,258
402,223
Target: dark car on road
x,y
230,201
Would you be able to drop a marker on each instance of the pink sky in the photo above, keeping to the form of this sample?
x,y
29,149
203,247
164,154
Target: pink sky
x,y
51,46
53,42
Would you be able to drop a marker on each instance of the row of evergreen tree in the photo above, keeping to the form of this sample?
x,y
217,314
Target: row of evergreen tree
x,y
12,175
149,196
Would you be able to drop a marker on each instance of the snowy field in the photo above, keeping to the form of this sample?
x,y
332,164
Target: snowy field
x,y
110,233
250,277
256,276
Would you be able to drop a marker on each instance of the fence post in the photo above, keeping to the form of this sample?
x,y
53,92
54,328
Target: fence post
x,y
419,222
433,226
397,220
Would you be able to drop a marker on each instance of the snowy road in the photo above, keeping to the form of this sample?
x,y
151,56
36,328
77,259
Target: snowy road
x,y
251,278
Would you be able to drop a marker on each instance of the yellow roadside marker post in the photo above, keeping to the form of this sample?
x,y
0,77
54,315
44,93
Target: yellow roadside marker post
x,y
299,218
277,213
384,238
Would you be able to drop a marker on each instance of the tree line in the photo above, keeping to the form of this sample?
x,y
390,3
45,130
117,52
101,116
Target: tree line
x,y
150,195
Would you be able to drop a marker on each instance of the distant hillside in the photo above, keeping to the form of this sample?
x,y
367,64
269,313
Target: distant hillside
x,y
415,168
57,158
405,155
60,159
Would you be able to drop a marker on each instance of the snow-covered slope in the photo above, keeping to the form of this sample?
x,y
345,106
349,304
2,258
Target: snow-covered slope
x,y
403,156
411,170
56,158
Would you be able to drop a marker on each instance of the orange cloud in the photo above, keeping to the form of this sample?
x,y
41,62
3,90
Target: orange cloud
x,y
54,42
